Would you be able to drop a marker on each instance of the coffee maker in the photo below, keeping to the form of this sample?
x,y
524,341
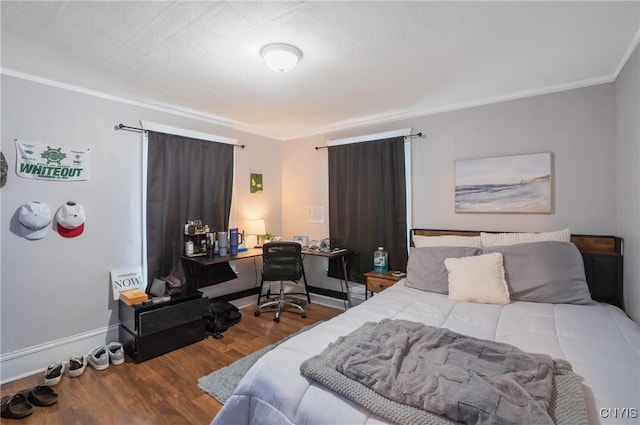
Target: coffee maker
x,y
197,238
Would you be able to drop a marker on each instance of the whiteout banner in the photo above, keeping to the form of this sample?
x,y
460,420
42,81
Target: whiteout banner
x,y
46,162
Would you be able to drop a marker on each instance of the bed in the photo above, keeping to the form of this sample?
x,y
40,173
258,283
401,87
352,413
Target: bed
x,y
595,336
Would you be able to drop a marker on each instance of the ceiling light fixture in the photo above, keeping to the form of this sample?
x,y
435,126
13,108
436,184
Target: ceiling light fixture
x,y
281,57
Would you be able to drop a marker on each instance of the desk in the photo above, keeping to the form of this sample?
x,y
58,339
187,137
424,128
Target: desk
x,y
202,262
198,264
342,255
206,261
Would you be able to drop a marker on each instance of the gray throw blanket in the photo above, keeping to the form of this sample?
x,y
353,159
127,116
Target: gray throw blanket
x,y
410,373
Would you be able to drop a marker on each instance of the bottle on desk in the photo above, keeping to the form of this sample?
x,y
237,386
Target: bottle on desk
x,y
380,260
210,238
222,243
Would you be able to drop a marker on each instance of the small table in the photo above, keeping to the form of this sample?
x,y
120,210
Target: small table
x,y
377,281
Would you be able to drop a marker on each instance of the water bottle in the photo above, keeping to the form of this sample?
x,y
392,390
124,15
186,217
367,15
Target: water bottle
x,y
380,260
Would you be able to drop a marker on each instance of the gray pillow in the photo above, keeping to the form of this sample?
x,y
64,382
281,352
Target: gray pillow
x,y
545,272
426,270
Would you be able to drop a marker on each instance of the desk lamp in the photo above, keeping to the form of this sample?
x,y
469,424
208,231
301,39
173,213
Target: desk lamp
x,y
255,227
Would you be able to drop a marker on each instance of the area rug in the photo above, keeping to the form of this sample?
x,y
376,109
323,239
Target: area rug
x,y
221,383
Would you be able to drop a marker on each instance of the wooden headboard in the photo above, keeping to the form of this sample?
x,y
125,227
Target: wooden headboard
x,y
602,257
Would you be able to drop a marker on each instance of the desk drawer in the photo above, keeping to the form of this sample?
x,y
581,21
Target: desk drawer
x,y
376,284
168,317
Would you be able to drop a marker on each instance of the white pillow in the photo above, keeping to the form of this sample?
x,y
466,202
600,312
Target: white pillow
x,y
478,279
503,239
420,241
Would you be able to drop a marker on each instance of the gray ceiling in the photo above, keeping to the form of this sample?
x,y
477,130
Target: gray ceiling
x,y
364,62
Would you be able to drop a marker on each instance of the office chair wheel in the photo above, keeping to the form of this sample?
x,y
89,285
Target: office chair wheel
x,y
256,313
276,319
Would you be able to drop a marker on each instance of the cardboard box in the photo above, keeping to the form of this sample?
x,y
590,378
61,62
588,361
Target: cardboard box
x,y
133,296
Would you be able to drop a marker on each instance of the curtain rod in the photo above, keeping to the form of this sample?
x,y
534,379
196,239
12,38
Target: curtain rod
x,y
142,130
410,135
127,128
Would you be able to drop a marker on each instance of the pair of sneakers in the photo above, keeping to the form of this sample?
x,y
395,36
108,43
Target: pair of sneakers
x,y
74,368
102,355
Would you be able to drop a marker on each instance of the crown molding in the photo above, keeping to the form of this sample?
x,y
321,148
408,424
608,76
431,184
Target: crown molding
x,y
632,47
166,108
403,114
364,121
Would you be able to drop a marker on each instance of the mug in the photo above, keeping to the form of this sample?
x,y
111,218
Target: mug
x,y
235,239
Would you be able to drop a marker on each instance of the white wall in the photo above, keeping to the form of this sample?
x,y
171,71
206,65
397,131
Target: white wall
x,y
305,183
628,126
55,293
578,126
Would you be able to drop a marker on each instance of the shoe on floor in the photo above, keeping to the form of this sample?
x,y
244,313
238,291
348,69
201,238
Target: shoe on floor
x,y
99,357
53,374
15,407
116,353
40,396
77,365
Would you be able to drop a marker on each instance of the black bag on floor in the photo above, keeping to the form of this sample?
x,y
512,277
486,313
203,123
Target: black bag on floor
x,y
222,315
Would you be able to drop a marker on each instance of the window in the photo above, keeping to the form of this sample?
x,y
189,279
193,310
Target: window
x,y
369,198
186,178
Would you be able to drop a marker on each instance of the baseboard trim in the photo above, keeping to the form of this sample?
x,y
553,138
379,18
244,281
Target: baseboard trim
x,y
315,298
327,301
323,296
33,360
327,292
247,293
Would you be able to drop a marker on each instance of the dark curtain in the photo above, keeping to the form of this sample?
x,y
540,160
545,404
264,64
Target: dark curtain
x,y
187,179
367,204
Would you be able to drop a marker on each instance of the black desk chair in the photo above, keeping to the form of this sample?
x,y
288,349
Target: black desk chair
x,y
282,261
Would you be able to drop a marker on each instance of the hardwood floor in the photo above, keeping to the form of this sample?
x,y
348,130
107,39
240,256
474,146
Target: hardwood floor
x,y
163,390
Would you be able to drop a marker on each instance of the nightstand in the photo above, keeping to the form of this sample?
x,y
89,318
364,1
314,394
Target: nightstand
x,y
377,281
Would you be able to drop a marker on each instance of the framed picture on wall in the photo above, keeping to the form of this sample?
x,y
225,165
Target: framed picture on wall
x,y
302,240
255,185
505,184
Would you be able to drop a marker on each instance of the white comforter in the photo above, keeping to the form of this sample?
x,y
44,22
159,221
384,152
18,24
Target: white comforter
x,y
600,341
